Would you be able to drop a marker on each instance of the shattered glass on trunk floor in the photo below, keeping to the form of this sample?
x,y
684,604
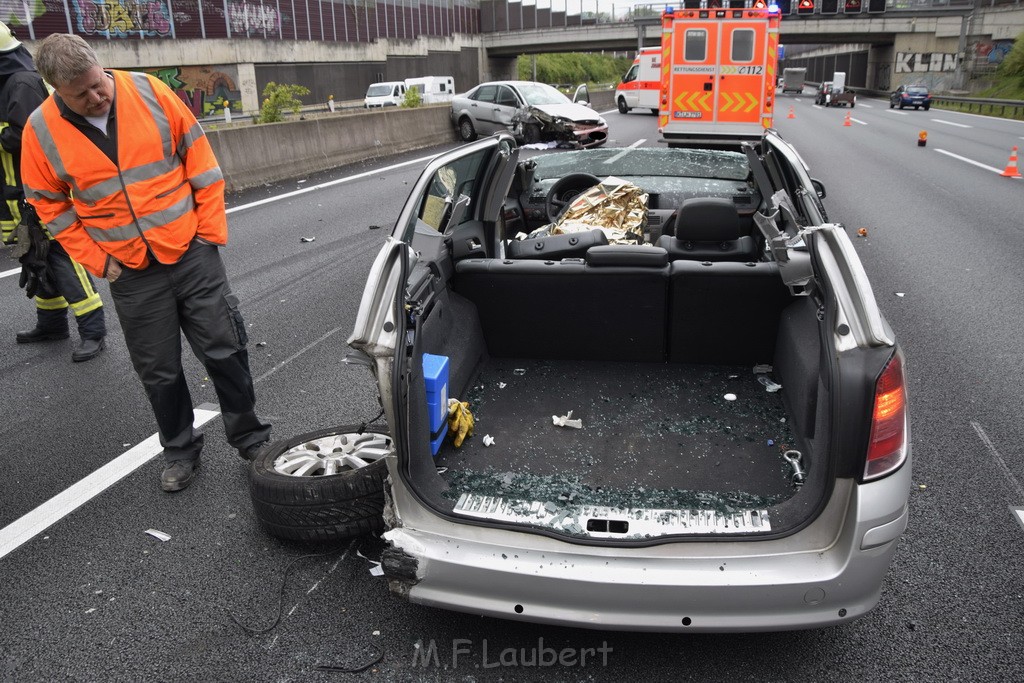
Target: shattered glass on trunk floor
x,y
654,436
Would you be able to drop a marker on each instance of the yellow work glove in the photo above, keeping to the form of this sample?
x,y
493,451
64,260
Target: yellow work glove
x,y
460,421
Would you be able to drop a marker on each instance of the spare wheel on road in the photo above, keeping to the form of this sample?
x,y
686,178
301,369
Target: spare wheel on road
x,y
322,486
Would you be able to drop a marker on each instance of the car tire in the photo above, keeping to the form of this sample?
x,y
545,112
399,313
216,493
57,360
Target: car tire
x,y
916,107
892,105
853,103
467,131
927,107
623,109
654,111
901,106
295,500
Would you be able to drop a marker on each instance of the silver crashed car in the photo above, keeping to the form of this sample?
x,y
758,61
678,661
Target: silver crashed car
x,y
696,424
533,112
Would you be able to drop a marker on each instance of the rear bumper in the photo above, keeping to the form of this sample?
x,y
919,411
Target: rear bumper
x,y
829,573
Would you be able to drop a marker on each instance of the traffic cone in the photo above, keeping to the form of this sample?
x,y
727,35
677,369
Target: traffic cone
x,y
792,114
846,121
1011,166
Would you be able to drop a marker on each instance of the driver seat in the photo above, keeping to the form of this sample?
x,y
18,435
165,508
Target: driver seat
x,y
708,229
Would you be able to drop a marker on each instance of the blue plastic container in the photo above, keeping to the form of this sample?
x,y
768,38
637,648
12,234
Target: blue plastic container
x,y
435,376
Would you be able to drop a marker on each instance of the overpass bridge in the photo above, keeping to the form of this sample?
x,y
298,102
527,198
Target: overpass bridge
x,y
223,54
937,42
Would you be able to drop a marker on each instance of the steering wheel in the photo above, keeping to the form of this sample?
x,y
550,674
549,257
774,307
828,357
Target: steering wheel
x,y
564,191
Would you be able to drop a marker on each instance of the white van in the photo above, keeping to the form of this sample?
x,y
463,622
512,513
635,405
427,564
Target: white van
x,y
386,94
433,89
641,86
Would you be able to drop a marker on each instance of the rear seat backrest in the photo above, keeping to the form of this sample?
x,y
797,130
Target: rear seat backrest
x,y
724,312
708,229
612,307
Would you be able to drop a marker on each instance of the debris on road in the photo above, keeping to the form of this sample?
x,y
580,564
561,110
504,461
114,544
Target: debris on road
x,y
159,535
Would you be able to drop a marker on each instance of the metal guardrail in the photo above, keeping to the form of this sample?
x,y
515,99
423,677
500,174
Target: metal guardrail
x,y
983,105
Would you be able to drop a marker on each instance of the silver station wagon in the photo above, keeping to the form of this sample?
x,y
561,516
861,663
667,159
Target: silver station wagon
x,y
689,413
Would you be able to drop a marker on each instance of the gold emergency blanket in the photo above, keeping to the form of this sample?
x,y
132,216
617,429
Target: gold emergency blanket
x,y
616,206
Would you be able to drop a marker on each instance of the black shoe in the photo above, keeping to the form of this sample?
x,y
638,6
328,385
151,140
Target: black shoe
x,y
178,474
87,350
38,334
254,451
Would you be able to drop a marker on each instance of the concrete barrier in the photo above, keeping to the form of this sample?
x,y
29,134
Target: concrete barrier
x,y
256,154
251,155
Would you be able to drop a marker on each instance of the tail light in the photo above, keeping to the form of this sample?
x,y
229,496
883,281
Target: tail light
x,y
887,445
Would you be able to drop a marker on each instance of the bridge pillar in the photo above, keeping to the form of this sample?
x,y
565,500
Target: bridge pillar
x,y
500,68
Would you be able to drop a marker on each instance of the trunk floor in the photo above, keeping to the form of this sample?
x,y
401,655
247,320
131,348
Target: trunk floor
x,y
654,435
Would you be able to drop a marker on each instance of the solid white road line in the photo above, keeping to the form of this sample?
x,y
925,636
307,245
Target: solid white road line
x,y
896,111
972,161
863,123
950,123
289,195
331,183
70,499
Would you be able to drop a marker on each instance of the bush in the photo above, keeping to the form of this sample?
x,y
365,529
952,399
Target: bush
x,y
277,98
412,98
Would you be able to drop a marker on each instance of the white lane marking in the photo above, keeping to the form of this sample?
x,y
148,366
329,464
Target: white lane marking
x,y
289,195
950,123
626,151
866,106
972,161
895,111
330,183
999,459
863,123
1018,514
70,499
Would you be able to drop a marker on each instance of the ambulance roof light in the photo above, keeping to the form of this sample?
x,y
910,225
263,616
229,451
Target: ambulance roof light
x,y
773,8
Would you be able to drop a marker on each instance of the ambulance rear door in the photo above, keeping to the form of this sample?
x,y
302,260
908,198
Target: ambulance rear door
x,y
717,76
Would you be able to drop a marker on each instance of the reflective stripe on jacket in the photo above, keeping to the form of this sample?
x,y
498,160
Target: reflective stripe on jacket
x,y
165,189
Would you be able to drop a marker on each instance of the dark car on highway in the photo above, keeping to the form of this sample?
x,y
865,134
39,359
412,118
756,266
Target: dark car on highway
x,y
916,96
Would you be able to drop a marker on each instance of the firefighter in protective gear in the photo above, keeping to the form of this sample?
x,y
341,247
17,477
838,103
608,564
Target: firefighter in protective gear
x,y
124,177
49,276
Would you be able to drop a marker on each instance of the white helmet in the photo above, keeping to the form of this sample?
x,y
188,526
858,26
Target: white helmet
x,y
7,41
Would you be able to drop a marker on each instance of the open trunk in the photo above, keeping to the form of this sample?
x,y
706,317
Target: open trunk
x,y
680,435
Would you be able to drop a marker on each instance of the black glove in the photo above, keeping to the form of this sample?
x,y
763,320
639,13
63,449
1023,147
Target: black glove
x,y
35,273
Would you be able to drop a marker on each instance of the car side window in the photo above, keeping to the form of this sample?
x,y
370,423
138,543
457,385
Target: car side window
x,y
449,197
507,98
485,93
631,74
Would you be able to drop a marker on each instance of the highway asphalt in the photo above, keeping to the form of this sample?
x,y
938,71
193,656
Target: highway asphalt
x,y
95,598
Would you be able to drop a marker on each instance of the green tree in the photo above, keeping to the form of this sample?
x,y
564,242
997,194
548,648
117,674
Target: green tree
x,y
412,98
1013,63
277,99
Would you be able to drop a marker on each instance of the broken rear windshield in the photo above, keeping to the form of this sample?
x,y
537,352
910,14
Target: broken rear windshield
x,y
644,161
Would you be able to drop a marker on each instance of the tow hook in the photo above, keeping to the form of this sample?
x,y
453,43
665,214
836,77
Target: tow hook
x,y
794,458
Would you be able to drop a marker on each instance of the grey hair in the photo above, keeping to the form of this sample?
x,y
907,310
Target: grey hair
x,y
63,57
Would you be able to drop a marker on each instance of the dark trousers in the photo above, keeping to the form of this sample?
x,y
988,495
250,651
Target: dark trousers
x,y
155,305
70,287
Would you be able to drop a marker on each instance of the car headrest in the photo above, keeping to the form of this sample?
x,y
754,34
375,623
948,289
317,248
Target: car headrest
x,y
627,255
707,219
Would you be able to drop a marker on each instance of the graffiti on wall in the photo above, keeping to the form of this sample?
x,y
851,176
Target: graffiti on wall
x,y
122,18
925,62
205,89
993,52
248,18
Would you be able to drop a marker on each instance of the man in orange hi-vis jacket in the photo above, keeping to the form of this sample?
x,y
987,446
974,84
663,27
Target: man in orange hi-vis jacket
x,y
123,176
